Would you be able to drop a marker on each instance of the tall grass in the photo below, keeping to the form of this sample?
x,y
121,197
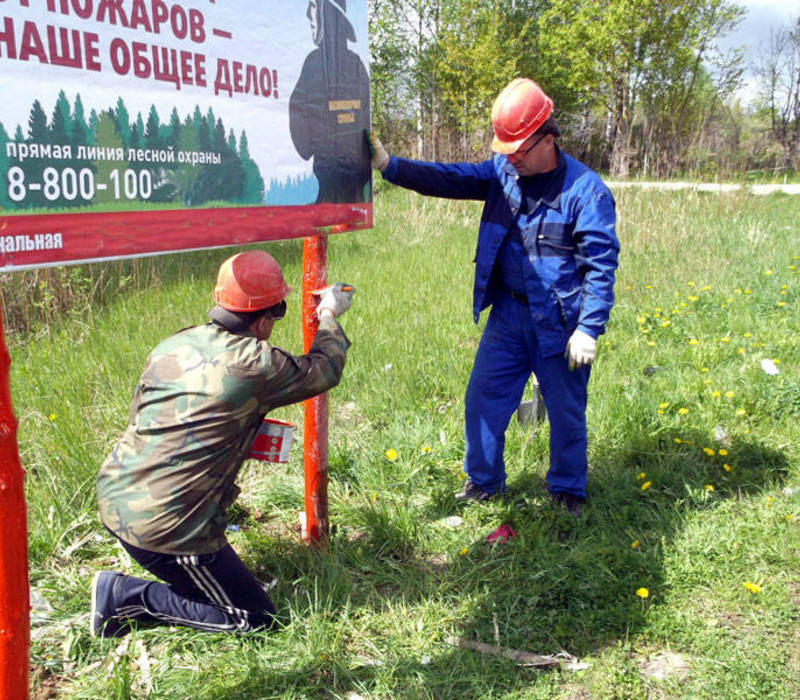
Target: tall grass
x,y
707,288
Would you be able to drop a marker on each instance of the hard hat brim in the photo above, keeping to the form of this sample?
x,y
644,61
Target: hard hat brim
x,y
506,148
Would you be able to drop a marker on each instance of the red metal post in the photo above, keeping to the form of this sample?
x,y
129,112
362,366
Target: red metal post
x,y
14,594
315,425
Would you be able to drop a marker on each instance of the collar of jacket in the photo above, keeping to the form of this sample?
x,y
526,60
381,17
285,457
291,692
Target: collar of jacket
x,y
510,180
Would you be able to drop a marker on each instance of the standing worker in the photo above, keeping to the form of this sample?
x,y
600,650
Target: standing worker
x,y
164,490
545,262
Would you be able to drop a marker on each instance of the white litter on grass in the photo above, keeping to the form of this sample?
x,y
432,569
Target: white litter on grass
x,y
386,368
40,608
791,491
721,435
425,660
769,367
452,521
442,438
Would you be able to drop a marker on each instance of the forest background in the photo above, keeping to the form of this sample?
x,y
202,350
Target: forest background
x,y
641,87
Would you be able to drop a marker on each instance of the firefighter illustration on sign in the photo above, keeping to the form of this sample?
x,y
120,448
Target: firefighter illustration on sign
x,y
329,107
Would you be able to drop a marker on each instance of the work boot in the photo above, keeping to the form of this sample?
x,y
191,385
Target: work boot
x,y
471,492
103,621
569,501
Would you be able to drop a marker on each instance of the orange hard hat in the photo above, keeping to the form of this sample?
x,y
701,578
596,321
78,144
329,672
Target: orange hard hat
x,y
250,281
519,110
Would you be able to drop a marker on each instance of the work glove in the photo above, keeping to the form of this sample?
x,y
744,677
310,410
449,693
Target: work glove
x,y
335,299
580,349
377,153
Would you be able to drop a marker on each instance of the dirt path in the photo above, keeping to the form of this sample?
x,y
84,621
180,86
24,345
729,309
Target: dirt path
x,y
706,187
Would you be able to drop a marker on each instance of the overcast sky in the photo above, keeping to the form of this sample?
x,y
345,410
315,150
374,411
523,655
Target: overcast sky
x,y
762,15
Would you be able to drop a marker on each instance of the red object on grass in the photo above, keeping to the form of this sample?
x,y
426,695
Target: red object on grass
x,y
315,424
502,534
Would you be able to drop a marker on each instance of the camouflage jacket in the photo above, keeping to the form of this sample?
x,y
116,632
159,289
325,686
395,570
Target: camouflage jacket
x,y
195,412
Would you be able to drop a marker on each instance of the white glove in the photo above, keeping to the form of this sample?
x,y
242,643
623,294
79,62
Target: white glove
x,y
377,153
580,349
335,299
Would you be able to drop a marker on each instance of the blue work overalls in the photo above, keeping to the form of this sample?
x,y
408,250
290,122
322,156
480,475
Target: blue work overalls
x,y
555,235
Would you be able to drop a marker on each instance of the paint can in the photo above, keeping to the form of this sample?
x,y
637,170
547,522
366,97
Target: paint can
x,y
272,442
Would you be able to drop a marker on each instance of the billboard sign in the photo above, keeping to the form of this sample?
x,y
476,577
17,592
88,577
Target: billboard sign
x,y
138,127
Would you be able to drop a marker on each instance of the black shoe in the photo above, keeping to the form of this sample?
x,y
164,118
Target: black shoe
x,y
103,622
571,503
471,492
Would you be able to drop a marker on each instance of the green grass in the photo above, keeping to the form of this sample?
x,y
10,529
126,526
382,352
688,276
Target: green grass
x,y
371,615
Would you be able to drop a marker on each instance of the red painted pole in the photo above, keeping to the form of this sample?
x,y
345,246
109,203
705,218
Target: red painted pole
x,y
14,595
315,426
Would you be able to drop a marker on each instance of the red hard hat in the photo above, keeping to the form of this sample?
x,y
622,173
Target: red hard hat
x,y
519,110
250,281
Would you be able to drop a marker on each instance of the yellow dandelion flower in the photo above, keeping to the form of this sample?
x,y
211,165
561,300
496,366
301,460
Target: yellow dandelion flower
x,y
752,587
684,304
748,335
648,286
729,394
425,449
708,487
651,343
642,593
747,291
727,467
375,497
705,369
463,551
664,404
628,287
666,322
716,393
740,351
722,452
390,454
690,284
767,272
660,412
729,299
640,320
726,339
708,451
694,341
740,412
646,485
692,297
683,411
678,441
789,517
781,303
770,501
635,544
52,416
640,476
706,381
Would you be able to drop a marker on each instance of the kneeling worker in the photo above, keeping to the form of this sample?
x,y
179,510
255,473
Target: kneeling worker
x,y
164,490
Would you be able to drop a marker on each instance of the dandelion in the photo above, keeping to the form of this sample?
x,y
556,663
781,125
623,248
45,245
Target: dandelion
x,y
678,441
752,587
727,467
690,284
640,476
706,381
425,449
391,454
646,485
781,303
666,322
789,517
694,341
375,497
651,343
664,404
767,272
635,544
708,451
723,452
748,335
741,412
748,291
740,351
705,369
463,551
692,297
729,394
642,593
708,487
52,416
683,411
726,339
770,501
716,394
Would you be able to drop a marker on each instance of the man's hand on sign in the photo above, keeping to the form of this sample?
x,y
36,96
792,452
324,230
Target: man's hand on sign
x,y
580,349
335,299
377,153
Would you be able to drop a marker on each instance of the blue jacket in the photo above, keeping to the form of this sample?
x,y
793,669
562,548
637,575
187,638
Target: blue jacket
x,y
566,222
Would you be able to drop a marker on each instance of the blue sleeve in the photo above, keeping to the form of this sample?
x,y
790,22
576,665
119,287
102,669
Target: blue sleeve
x,y
598,253
451,180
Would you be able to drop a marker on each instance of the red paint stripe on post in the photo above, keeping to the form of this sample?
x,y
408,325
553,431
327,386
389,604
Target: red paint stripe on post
x,y
14,595
315,428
